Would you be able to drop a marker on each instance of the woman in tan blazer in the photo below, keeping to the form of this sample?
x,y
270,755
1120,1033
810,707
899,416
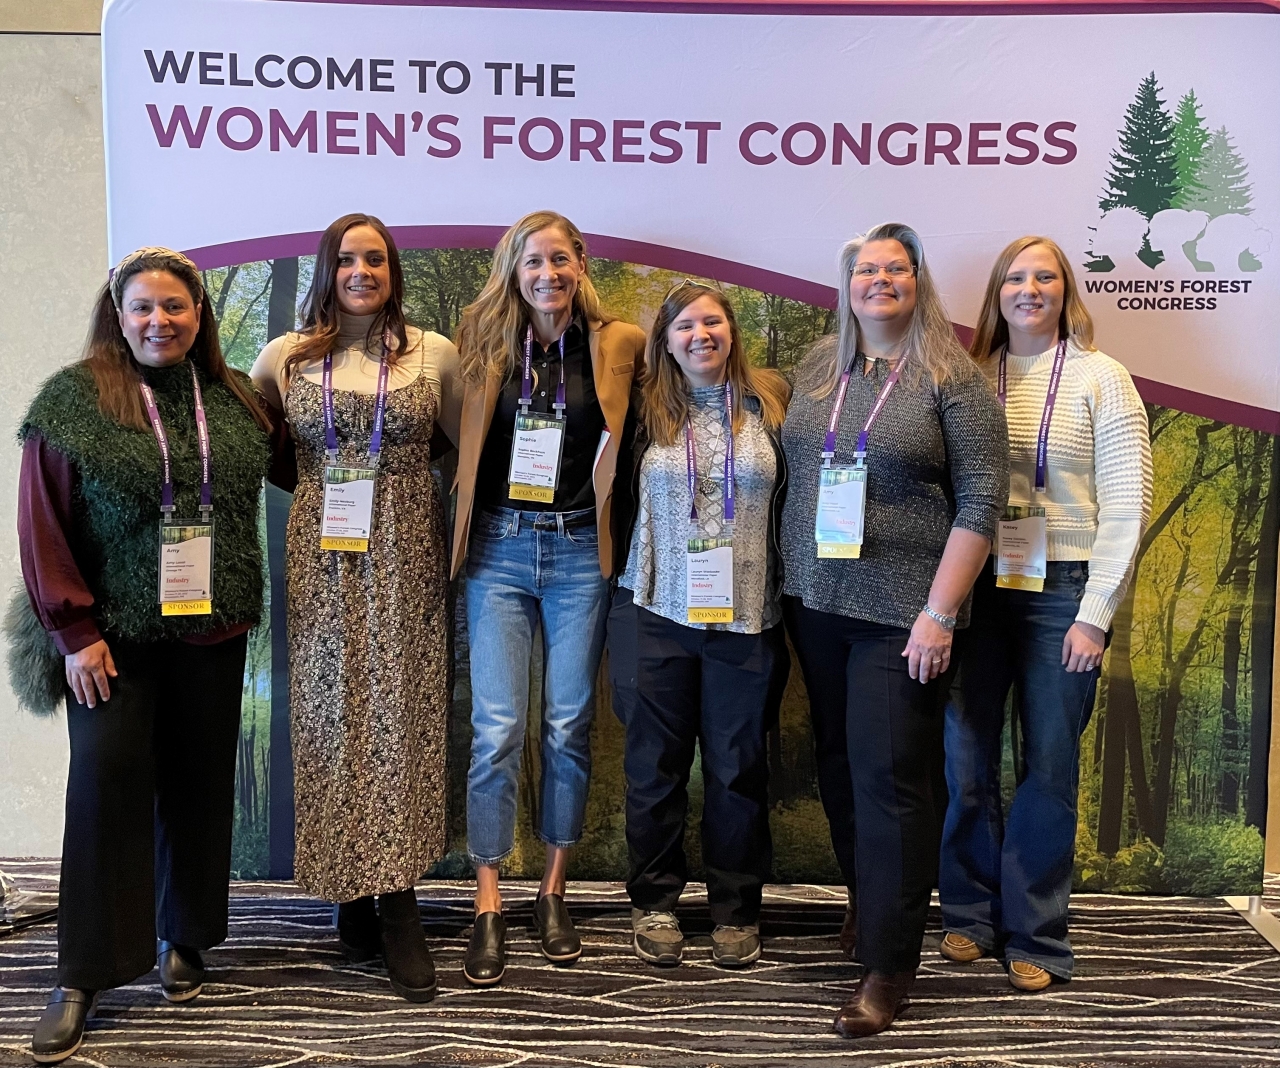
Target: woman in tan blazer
x,y
548,380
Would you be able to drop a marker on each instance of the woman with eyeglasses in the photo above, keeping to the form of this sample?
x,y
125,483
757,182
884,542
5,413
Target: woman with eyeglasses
x,y
898,473
547,391
706,650
1079,500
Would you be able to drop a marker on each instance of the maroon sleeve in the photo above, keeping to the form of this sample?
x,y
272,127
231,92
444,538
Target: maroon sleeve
x,y
57,589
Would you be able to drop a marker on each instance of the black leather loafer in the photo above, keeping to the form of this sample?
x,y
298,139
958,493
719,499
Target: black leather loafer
x,y
61,1028
486,958
181,972
560,942
358,932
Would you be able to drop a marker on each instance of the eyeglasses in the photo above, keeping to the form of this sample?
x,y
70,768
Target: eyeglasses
x,y
895,271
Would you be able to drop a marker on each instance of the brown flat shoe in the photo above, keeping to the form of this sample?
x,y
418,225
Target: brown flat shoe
x,y
849,932
877,1000
1027,977
960,949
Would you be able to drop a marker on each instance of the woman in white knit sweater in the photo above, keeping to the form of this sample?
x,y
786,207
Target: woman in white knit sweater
x,y
1079,500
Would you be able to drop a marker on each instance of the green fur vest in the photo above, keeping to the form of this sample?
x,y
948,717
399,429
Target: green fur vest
x,y
117,497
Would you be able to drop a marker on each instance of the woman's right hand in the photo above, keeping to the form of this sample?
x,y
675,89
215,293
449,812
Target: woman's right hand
x,y
88,671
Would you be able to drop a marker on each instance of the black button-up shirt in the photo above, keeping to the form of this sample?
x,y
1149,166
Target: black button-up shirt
x,y
585,424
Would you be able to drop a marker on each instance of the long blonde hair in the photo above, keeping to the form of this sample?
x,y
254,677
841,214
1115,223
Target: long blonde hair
x,y
491,330
930,345
992,332
664,392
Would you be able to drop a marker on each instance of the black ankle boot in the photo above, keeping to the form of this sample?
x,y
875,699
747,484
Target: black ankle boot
x,y
404,946
486,958
358,931
61,1028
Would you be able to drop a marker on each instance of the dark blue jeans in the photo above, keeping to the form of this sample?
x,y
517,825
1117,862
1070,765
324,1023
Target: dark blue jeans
x,y
1006,883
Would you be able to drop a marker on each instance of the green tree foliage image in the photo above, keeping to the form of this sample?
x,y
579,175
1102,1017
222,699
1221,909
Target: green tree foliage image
x,y
1190,138
1221,183
1173,764
1144,169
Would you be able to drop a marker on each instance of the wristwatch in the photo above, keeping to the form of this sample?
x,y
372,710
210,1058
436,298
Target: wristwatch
x,y
943,620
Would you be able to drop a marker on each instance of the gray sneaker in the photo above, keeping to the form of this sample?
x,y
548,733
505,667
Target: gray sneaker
x,y
657,937
735,947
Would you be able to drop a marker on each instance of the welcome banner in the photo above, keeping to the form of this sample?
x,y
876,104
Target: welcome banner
x,y
741,142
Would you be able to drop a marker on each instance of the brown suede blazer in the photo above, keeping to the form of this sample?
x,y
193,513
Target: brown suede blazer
x,y
617,357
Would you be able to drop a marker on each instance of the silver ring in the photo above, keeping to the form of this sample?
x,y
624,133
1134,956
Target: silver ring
x,y
937,660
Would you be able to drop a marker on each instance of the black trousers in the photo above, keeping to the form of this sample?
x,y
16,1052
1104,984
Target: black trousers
x,y
150,797
880,787
719,691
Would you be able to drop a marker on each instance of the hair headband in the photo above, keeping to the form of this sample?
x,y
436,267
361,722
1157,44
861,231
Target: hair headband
x,y
166,256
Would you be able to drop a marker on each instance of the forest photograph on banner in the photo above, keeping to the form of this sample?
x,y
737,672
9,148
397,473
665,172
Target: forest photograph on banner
x,y
1157,169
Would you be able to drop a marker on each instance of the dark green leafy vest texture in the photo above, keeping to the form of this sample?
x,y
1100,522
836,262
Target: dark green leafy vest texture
x,y
117,497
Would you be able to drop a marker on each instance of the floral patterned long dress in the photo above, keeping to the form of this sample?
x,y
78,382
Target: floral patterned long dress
x,y
367,654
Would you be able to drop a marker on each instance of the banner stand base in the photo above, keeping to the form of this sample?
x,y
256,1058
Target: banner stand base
x,y
1260,919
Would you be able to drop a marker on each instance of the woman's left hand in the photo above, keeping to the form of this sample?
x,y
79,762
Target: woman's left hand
x,y
1083,647
928,650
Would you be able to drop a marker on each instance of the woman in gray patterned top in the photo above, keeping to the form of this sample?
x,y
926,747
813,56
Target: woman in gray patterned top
x,y
697,650
899,471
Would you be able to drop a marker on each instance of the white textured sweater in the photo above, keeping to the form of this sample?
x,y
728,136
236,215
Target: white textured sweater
x,y
1097,497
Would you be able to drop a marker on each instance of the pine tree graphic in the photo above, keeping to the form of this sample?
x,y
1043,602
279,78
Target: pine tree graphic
x,y
1222,179
1190,139
1144,169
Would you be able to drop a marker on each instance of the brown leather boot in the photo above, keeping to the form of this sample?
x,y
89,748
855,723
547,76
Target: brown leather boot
x,y
849,931
877,999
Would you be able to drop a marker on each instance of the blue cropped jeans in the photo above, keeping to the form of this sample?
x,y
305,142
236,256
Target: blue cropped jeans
x,y
526,568
1005,883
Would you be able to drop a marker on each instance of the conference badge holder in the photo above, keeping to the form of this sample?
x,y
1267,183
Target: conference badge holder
x,y
185,563
842,508
840,521
537,447
346,520
186,567
1022,549
537,443
708,565
1022,539
709,580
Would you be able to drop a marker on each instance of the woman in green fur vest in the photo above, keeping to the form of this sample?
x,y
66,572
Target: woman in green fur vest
x,y
130,457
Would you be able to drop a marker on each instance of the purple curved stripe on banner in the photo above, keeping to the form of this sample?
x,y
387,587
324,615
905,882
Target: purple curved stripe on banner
x,y
850,7
695,263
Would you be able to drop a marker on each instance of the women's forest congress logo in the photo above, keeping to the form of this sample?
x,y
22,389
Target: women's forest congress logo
x,y
1177,201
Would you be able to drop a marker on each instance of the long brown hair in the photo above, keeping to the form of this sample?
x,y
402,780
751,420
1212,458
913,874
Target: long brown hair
x,y
321,313
492,327
664,392
108,356
930,346
992,332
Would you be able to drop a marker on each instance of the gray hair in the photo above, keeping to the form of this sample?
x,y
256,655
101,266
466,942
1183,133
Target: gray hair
x,y
931,346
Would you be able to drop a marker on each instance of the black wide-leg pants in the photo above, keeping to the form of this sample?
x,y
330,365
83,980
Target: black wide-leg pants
x,y
720,691
881,787
150,795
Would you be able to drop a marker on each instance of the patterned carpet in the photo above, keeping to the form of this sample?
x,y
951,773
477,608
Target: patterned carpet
x,y
1160,981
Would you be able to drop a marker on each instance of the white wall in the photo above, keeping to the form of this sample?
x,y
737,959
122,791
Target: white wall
x,y
53,251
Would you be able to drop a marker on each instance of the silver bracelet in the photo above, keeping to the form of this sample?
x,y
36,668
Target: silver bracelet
x,y
943,620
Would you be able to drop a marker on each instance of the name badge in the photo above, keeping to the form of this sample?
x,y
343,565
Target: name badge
x,y
536,447
709,580
186,568
347,520
1022,549
842,509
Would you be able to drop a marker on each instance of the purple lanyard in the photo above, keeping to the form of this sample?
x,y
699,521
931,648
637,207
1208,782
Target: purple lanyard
x,y
162,439
1051,398
526,383
829,444
379,405
730,464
